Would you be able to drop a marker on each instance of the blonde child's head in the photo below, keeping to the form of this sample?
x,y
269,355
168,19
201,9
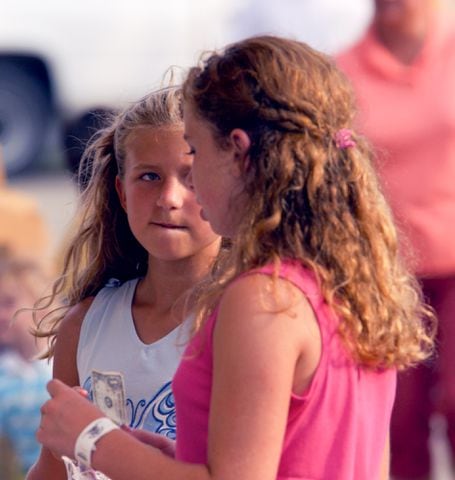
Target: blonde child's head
x,y
22,281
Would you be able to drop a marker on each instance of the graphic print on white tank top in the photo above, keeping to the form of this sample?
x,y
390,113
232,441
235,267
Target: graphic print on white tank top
x,y
109,342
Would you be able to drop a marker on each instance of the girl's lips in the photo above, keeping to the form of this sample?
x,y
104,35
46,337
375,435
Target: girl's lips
x,y
169,225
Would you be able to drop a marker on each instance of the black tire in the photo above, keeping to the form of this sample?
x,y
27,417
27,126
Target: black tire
x,y
24,117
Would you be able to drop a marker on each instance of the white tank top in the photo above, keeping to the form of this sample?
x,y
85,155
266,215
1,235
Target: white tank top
x,y
109,342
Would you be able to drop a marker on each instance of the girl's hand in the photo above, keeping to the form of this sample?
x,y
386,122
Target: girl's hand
x,y
63,418
162,443
81,391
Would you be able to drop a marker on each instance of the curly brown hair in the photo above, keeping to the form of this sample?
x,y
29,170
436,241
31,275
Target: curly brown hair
x,y
309,199
102,245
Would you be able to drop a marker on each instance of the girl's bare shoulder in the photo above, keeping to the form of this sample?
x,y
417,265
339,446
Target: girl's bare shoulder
x,y
264,292
75,315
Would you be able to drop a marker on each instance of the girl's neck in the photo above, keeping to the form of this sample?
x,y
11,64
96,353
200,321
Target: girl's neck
x,y
404,42
166,282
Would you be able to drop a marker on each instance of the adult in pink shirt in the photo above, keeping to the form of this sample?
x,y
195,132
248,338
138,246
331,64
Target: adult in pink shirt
x,y
403,72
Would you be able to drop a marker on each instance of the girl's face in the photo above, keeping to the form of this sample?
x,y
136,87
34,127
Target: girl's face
x,y
15,334
400,13
162,210
216,175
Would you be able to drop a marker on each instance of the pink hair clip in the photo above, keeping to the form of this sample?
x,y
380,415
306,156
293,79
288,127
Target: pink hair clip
x,y
343,138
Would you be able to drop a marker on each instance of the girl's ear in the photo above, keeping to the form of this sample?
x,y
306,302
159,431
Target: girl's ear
x,y
241,144
120,192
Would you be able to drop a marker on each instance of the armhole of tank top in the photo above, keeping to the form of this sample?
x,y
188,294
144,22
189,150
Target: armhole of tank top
x,y
304,280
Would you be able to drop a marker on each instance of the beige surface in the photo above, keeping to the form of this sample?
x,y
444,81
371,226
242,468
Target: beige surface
x,y
23,229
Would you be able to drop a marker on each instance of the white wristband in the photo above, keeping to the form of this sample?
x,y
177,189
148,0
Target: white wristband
x,y
85,443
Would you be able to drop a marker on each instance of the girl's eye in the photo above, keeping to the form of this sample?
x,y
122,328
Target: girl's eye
x,y
150,176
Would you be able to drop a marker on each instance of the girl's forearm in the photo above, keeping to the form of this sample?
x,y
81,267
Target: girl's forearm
x,y
121,457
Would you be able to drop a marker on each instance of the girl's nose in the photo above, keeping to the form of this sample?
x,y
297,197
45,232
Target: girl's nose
x,y
172,195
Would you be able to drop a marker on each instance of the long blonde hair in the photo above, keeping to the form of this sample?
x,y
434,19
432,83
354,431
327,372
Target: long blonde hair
x,y
309,199
102,245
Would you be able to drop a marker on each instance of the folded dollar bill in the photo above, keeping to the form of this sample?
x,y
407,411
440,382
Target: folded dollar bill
x,y
109,395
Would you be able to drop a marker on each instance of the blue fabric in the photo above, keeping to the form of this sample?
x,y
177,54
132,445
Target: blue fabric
x,y
22,392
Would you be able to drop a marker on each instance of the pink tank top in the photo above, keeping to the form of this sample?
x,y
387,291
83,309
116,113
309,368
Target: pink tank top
x,y
336,430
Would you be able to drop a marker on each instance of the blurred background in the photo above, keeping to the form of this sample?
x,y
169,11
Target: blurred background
x,y
64,64
59,61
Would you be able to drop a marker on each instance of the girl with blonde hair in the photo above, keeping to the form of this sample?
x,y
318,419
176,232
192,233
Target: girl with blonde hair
x,y
138,246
